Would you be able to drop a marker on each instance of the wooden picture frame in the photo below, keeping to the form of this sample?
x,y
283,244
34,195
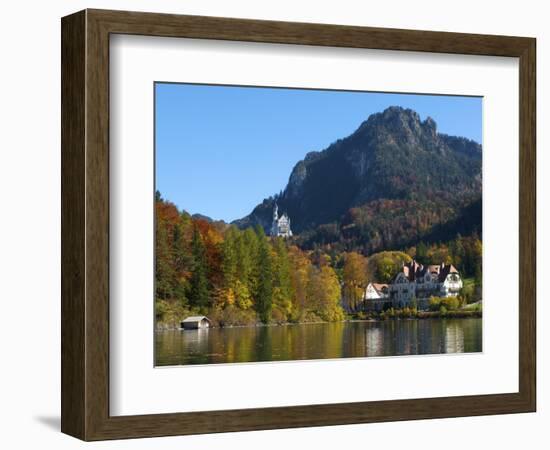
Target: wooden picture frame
x,y
85,224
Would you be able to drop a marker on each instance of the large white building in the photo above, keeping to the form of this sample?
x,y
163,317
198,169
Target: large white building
x,y
419,282
413,283
280,225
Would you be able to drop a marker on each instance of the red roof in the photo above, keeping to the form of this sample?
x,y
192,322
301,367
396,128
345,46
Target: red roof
x,y
414,270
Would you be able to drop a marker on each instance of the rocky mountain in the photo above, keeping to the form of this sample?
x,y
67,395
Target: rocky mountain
x,y
393,181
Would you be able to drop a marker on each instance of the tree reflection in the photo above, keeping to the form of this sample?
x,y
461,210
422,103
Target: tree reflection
x,y
318,341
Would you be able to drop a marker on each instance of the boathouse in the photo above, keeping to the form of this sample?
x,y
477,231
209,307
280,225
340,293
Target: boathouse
x,y
196,322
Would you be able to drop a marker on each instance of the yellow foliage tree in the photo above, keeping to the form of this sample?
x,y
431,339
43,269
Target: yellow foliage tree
x,y
354,278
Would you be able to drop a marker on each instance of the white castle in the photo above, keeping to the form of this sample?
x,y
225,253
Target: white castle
x,y
280,225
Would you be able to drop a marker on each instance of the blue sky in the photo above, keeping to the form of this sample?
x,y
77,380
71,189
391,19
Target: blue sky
x,y
220,150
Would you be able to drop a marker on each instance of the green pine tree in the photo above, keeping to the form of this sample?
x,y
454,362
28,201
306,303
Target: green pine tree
x,y
229,258
248,255
182,262
164,271
264,296
199,294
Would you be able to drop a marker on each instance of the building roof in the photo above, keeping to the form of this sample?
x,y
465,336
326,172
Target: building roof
x,y
414,270
195,319
379,286
446,270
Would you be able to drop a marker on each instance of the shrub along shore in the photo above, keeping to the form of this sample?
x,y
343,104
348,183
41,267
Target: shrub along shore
x,y
439,307
474,310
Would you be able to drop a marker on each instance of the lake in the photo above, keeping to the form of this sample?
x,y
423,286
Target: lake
x,y
318,341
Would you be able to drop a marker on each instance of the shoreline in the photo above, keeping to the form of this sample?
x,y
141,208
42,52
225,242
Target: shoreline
x,y
421,315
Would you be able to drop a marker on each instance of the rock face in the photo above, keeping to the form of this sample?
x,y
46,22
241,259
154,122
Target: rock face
x,y
393,155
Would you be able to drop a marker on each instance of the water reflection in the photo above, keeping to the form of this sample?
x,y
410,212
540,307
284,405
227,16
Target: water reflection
x,y
318,341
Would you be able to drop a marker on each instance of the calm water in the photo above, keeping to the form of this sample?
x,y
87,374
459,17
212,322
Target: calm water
x,y
318,341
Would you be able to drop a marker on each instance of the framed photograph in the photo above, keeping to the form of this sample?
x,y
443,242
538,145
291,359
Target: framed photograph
x,y
273,225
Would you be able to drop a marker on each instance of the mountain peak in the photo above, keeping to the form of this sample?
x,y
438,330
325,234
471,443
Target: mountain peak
x,y
391,111
393,114
399,122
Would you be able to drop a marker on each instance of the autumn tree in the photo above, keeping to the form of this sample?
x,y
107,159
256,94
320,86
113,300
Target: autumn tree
x,y
299,277
182,260
246,251
282,286
383,266
324,294
354,279
173,260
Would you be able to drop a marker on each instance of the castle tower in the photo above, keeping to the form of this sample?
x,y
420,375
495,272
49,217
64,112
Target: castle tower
x,y
275,222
